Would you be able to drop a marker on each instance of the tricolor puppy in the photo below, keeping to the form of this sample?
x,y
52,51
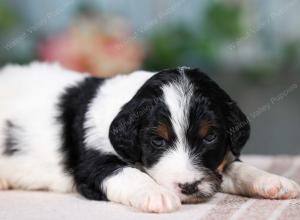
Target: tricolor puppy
x,y
147,140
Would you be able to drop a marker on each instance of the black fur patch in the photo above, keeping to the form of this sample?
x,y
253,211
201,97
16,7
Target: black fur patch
x,y
92,170
88,167
73,107
11,143
212,102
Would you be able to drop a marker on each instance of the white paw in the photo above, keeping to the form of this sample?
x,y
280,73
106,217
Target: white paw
x,y
276,187
156,199
3,184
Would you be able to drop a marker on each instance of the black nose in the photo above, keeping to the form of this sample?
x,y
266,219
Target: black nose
x,y
189,188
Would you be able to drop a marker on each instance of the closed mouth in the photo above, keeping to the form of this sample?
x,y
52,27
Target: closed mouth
x,y
214,180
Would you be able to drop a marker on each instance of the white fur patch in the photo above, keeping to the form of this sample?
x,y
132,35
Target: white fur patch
x,y
142,193
174,167
28,98
177,96
241,178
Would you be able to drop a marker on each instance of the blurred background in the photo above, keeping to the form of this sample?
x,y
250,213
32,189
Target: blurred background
x,y
251,48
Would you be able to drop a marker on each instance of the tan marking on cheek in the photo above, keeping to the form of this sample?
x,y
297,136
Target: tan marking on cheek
x,y
164,131
228,159
221,167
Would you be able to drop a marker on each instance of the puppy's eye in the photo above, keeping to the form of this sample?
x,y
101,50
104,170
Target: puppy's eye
x,y
158,142
210,138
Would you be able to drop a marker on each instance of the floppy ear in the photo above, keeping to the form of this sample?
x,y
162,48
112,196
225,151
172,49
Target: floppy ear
x,y
124,130
238,128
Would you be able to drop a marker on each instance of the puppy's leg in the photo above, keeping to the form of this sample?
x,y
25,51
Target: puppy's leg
x,y
241,178
132,187
106,177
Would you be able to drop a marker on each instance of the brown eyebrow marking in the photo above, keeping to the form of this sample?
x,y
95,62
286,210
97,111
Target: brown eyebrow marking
x,y
164,131
204,127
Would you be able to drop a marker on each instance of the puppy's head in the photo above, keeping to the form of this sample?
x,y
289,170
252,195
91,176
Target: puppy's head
x,y
179,126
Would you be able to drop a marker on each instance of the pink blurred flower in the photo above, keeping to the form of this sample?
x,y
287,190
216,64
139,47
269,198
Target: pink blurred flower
x,y
92,45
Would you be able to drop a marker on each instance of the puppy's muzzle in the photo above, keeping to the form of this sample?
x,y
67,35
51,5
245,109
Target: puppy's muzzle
x,y
190,188
200,190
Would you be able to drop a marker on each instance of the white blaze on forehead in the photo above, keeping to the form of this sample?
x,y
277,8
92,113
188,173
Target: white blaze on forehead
x,y
177,96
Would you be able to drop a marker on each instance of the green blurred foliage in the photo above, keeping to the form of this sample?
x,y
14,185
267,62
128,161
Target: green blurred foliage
x,y
182,45
178,44
285,64
200,47
8,17
15,46
223,21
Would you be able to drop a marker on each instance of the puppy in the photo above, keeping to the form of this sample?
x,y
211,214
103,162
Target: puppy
x,y
147,140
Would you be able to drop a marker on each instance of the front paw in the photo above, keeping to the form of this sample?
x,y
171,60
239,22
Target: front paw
x,y
155,199
275,187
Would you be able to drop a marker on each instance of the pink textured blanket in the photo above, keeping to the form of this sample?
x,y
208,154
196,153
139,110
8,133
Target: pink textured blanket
x,y
16,205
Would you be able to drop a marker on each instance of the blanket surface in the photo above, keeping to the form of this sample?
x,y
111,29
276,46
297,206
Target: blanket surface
x,y
15,205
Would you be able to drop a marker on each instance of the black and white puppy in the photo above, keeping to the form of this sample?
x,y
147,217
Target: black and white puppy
x,y
147,140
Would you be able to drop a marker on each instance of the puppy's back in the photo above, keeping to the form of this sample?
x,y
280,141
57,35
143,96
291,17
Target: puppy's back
x,y
29,132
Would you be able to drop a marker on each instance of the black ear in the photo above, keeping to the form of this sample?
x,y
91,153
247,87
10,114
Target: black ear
x,y
124,130
238,127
